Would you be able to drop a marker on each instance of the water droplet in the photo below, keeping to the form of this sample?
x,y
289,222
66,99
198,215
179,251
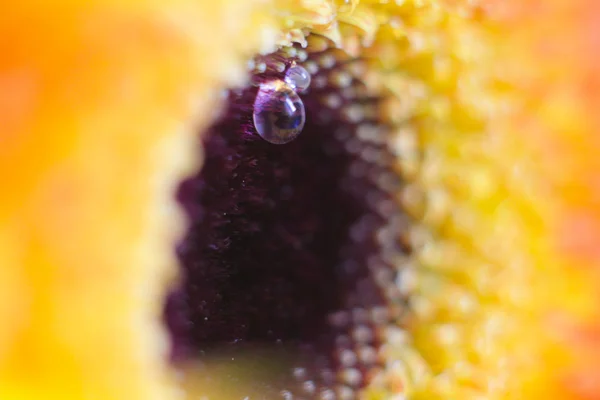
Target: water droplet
x,y
279,114
298,78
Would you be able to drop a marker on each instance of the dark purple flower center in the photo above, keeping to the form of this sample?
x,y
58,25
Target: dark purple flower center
x,y
286,242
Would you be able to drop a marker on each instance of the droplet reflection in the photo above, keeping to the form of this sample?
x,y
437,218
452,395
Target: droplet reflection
x,y
298,78
279,113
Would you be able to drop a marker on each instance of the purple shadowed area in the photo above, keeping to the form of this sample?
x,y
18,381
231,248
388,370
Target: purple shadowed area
x,y
269,254
268,222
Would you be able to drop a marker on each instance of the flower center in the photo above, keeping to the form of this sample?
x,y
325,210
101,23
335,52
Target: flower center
x,y
291,246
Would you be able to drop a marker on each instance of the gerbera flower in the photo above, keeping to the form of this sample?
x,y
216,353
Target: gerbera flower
x,y
431,232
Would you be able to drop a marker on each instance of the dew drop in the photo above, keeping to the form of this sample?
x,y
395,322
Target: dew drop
x,y
298,78
279,114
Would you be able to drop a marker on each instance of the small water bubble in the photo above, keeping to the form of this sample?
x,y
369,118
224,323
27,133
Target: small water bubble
x,y
279,113
298,78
